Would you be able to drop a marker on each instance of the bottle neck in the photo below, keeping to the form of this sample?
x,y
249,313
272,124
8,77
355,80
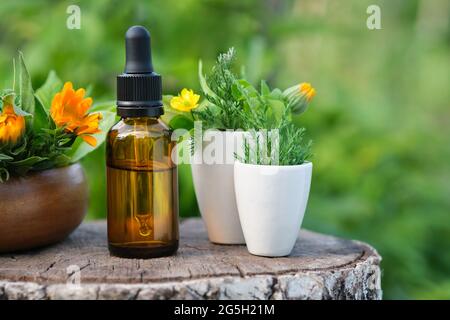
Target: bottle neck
x,y
144,118
133,110
140,120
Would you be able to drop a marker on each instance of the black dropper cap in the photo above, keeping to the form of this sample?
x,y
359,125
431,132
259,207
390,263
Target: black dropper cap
x,y
139,88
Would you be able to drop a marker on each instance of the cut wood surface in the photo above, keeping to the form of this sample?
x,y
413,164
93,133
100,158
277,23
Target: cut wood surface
x,y
320,267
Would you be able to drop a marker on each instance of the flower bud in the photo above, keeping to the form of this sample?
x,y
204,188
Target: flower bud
x,y
12,126
299,96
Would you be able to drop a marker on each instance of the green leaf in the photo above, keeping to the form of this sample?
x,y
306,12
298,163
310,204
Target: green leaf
x,y
181,122
48,90
278,109
26,88
5,157
14,75
80,148
265,90
20,112
236,91
28,162
170,113
61,160
41,118
6,92
248,93
45,95
89,90
19,149
64,141
9,99
202,80
276,94
49,131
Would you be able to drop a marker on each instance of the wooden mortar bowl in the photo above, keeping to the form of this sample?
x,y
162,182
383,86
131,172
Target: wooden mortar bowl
x,y
42,208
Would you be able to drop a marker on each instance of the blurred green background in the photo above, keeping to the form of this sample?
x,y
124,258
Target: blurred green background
x,y
380,121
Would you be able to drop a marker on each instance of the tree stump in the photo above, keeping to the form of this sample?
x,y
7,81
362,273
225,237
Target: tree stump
x,y
320,267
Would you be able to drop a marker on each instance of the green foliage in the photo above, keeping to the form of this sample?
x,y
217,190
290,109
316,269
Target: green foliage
x,y
80,149
48,90
25,88
43,145
283,146
222,111
181,122
176,119
34,152
44,95
234,103
260,110
280,142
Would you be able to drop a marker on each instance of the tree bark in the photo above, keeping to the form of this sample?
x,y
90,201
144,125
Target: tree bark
x,y
320,267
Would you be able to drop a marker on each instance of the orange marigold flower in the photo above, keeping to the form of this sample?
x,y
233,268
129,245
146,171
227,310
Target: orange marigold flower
x,y
12,126
69,110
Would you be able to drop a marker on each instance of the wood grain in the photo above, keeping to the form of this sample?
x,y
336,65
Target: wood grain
x,y
322,267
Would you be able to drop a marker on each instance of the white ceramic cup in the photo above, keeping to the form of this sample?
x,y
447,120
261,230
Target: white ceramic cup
x,y
271,201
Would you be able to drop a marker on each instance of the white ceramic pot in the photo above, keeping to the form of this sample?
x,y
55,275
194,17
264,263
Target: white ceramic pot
x,y
271,202
214,185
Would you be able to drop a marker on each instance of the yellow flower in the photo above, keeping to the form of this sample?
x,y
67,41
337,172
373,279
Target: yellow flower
x,y
69,111
306,89
12,126
299,96
185,101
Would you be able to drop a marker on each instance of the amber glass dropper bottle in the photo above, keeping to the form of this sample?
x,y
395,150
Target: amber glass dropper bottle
x,y
141,176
